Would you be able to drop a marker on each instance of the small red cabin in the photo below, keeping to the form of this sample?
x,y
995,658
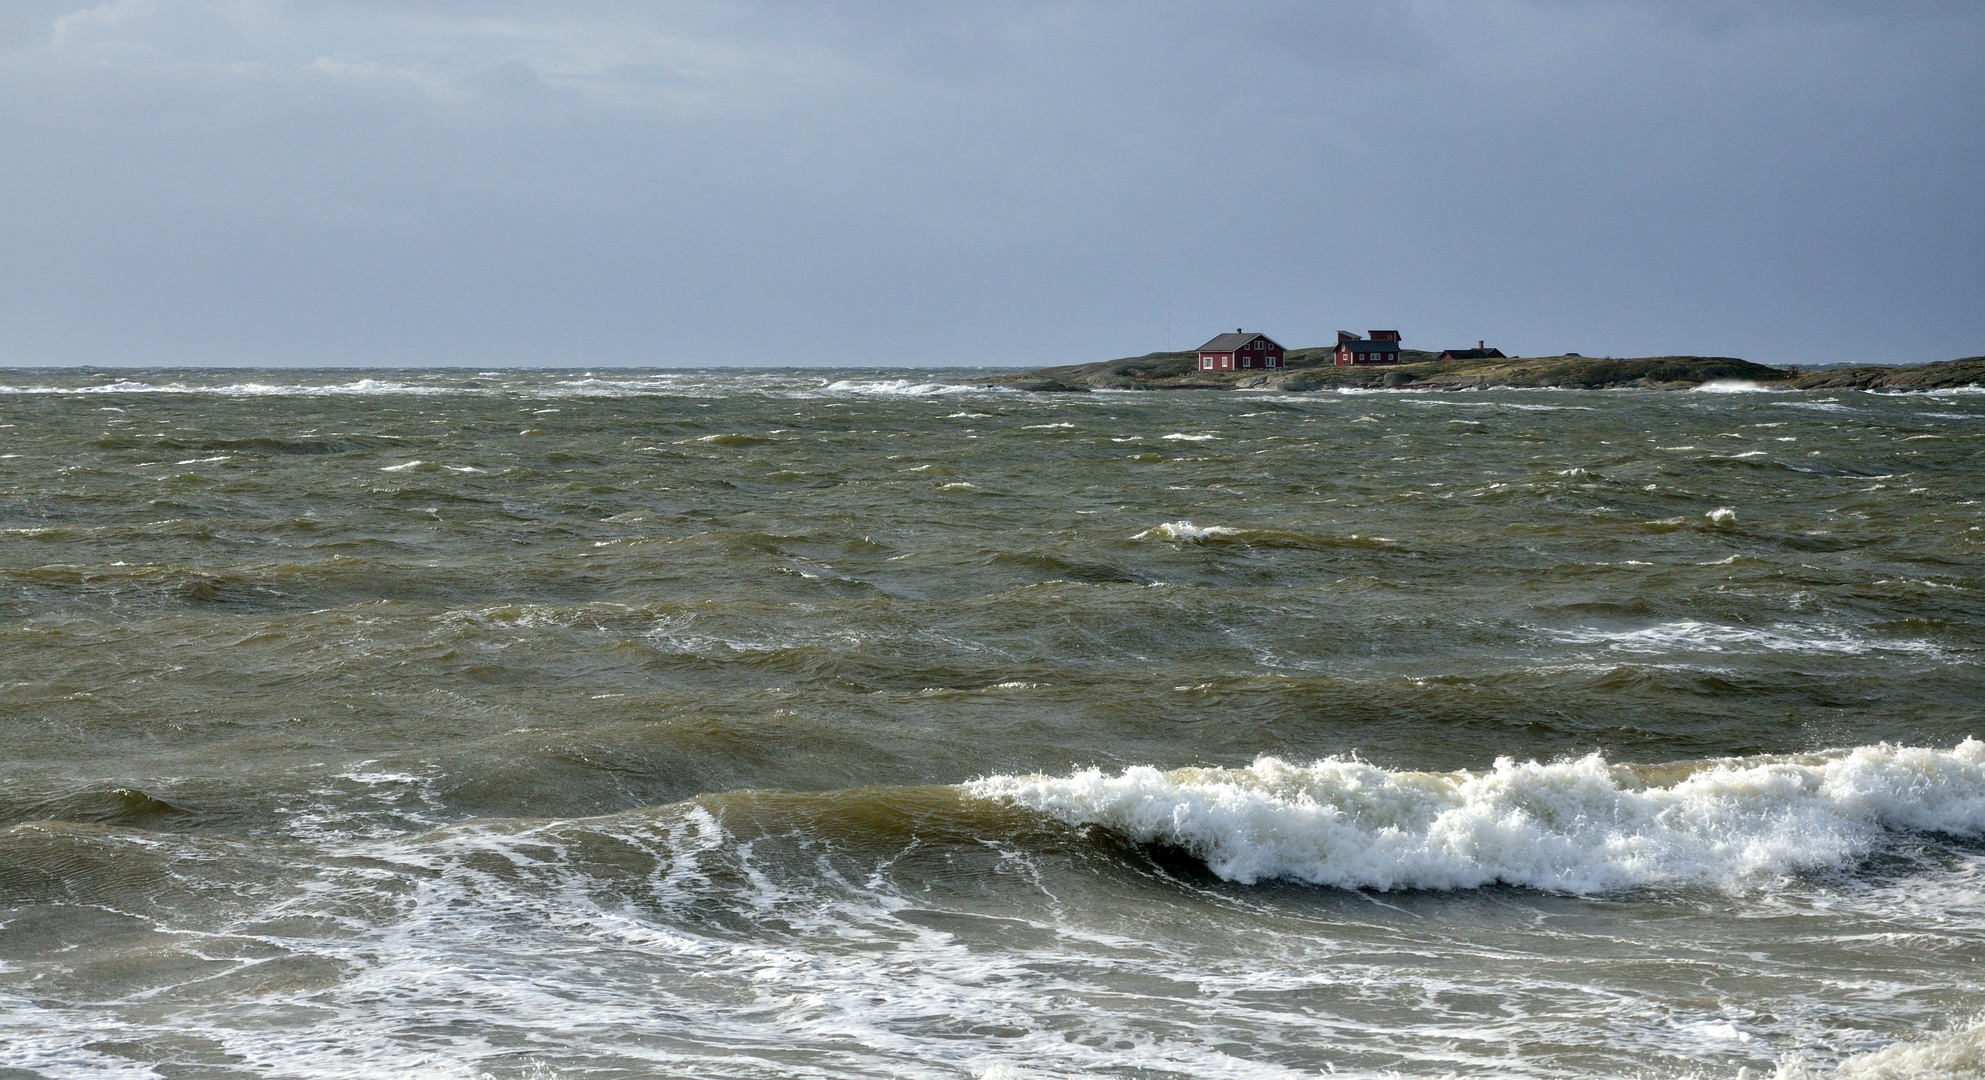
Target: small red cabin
x,y
1381,348
1239,350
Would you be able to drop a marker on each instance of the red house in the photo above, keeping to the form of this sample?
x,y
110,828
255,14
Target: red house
x,y
1239,350
1382,348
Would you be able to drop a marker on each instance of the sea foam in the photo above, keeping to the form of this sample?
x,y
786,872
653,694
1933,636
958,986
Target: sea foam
x,y
1580,826
902,388
1694,635
1733,386
1951,1056
1186,532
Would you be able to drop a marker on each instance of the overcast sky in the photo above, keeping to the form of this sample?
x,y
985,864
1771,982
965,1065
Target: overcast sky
x,y
598,182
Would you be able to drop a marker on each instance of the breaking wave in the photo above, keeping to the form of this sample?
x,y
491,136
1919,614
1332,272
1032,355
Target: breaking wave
x,y
902,388
1952,1056
1582,826
359,387
1691,635
1736,386
1187,532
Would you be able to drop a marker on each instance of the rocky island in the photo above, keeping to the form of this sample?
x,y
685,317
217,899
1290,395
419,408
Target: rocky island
x,y
1314,369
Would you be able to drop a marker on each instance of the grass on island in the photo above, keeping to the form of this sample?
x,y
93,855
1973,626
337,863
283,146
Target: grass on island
x,y
1315,369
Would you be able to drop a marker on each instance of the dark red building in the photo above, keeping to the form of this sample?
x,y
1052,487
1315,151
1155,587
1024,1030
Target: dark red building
x,y
1239,351
1381,348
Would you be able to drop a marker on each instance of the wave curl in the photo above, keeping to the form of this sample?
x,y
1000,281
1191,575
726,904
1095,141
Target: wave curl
x,y
1582,826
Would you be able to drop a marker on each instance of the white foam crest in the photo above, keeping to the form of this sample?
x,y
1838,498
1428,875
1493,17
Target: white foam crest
x,y
672,635
1581,826
496,936
900,388
662,942
1354,391
359,387
1954,1056
1691,635
44,1043
691,384
1735,386
526,384
1186,532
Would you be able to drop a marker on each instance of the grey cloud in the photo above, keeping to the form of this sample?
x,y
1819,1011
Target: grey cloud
x,y
609,181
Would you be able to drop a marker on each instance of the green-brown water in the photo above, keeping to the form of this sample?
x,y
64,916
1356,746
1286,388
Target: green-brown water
x,y
648,724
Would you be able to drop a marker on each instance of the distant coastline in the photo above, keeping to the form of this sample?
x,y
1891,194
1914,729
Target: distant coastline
x,y
1313,369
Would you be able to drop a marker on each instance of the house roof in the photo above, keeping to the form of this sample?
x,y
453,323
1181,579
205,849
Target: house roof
x,y
1369,346
1474,354
1232,342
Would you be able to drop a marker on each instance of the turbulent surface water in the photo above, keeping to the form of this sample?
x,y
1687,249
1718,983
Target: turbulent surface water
x,y
788,724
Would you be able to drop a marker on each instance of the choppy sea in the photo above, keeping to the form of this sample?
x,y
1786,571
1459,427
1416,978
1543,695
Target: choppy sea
x,y
631,724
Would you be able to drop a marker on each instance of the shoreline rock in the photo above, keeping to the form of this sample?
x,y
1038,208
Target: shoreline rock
x,y
1942,375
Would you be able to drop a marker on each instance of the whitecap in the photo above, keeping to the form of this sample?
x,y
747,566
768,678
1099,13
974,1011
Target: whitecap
x,y
1691,635
900,388
1950,1056
1182,437
1583,826
1185,531
1734,386
358,387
